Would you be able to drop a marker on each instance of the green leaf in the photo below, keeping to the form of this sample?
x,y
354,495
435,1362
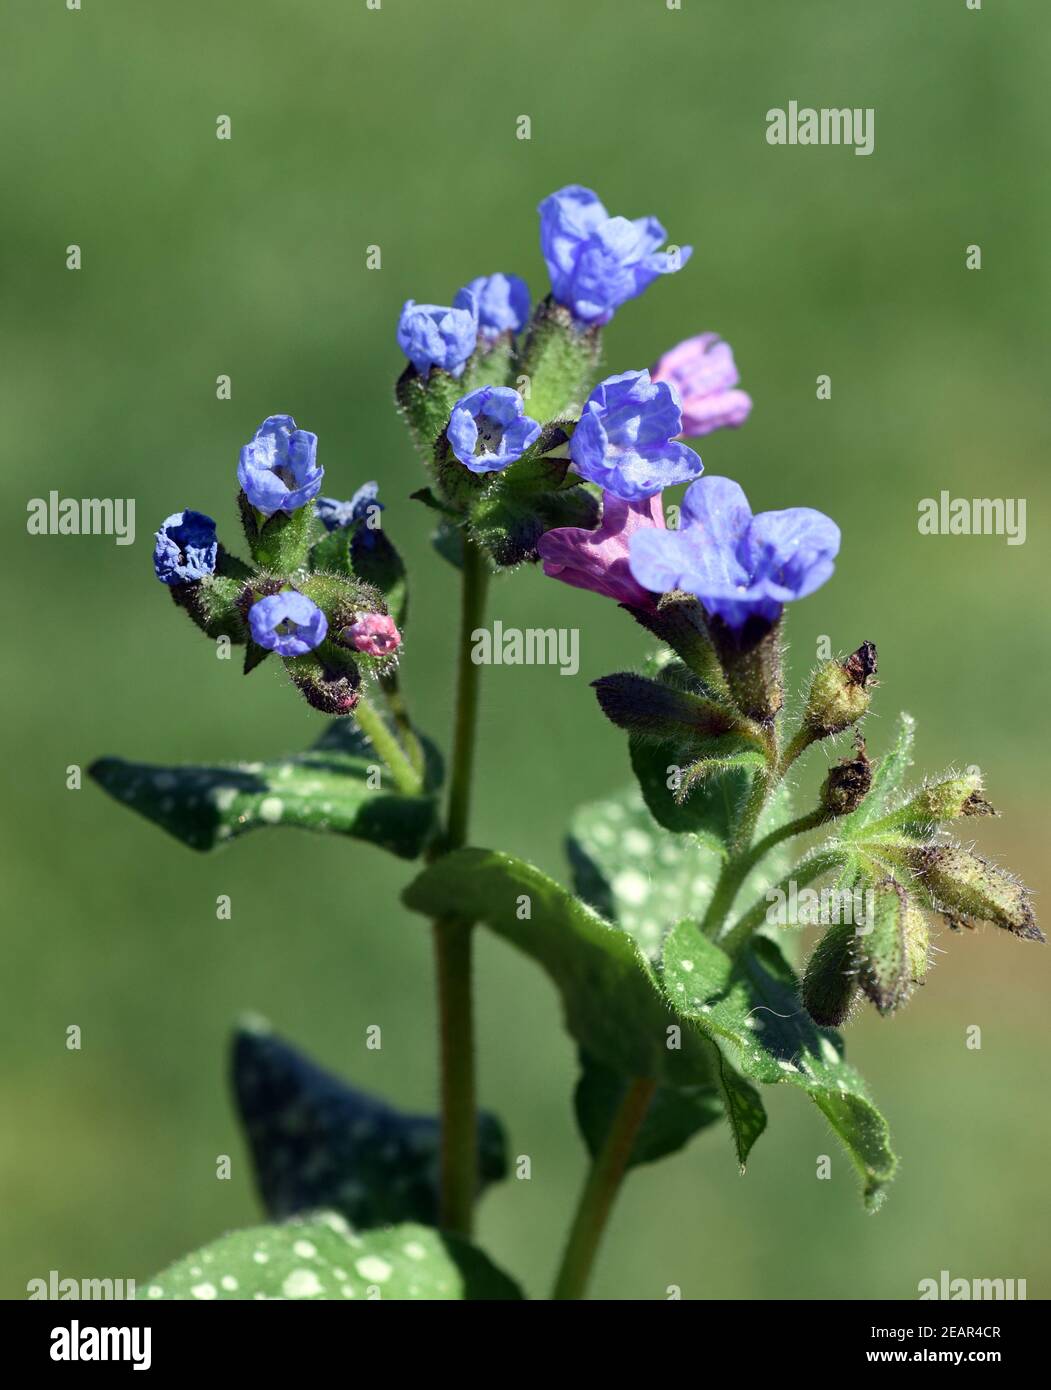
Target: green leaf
x,y
674,1116
635,873
317,1142
751,1009
709,812
713,804
891,772
321,1257
612,1004
326,789
743,1105
646,879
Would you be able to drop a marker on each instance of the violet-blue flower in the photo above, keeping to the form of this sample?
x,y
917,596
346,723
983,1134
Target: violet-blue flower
x,y
503,303
431,335
488,429
289,623
278,470
185,548
597,262
336,515
625,438
738,565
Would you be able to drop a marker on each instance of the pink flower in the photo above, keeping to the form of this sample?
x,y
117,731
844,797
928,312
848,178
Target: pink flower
x,y
703,371
373,633
598,560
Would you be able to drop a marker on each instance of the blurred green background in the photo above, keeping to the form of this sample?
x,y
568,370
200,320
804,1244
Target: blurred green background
x,y
396,127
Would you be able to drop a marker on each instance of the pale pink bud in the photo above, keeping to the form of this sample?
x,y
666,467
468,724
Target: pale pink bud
x,y
373,633
703,372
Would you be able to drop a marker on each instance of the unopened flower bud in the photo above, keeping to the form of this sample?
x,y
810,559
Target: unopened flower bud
x,y
328,687
891,953
967,889
941,801
830,982
840,692
750,656
847,783
656,710
374,634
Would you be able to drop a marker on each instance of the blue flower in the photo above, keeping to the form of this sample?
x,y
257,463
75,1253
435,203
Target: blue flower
x,y
624,441
503,303
278,469
597,262
432,336
186,548
289,624
738,565
489,429
337,515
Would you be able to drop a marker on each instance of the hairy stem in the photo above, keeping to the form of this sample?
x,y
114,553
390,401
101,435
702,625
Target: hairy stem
x,y
600,1189
803,873
738,867
406,778
453,938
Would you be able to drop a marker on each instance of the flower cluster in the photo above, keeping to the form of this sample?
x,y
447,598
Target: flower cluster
x,y
534,455
313,595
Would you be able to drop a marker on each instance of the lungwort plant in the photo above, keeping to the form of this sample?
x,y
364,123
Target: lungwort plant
x,y
666,946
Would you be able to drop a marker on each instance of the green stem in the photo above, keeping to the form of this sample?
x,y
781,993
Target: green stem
x,y
459,1146
799,743
452,938
400,714
600,1189
406,778
475,583
737,868
805,872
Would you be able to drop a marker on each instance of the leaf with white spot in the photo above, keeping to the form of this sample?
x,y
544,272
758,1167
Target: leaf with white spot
x,y
321,1257
645,879
325,789
751,1009
635,873
317,1142
613,1005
